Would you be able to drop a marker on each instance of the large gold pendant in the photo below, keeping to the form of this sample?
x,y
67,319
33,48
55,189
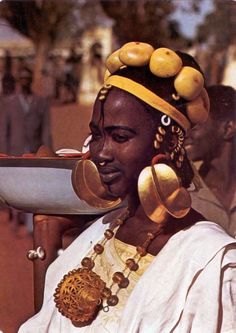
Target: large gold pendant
x,y
79,296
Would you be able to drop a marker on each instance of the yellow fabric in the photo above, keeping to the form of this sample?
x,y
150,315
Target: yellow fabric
x,y
110,261
149,97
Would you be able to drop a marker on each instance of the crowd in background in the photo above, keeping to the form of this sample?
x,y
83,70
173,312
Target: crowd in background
x,y
61,76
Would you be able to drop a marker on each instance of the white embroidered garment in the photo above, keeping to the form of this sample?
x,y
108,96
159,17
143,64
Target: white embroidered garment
x,y
190,286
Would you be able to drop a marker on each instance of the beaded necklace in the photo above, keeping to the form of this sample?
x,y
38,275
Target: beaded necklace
x,y
81,294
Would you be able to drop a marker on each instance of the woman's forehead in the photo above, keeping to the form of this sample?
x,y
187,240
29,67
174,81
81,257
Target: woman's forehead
x,y
120,107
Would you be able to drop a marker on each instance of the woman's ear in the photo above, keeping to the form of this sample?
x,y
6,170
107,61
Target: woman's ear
x,y
229,128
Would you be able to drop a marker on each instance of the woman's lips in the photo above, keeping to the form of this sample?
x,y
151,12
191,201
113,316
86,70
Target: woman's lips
x,y
109,175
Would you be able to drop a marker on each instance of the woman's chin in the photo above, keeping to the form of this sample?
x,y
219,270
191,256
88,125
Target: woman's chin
x,y
115,191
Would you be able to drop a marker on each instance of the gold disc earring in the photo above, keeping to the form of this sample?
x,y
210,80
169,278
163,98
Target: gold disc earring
x,y
161,193
87,185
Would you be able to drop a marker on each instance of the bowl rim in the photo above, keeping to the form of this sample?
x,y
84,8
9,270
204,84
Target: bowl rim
x,y
39,162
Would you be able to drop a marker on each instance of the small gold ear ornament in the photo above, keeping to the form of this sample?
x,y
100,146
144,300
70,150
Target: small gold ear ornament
x,y
161,193
177,152
159,137
104,92
161,130
87,185
175,97
156,144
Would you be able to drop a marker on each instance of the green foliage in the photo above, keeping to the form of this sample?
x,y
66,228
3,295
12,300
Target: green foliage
x,y
39,19
219,27
149,21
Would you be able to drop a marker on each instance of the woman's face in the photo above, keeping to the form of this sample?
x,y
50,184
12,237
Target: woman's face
x,y
122,141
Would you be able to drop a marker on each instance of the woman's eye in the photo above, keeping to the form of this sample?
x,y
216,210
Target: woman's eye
x,y
120,138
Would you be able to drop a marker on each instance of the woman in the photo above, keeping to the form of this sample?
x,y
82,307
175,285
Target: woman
x,y
159,267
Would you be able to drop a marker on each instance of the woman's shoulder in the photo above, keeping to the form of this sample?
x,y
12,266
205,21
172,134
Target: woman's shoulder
x,y
204,240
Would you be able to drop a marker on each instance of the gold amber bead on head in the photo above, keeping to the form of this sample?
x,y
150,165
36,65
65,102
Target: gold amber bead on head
x,y
87,263
108,234
112,300
98,248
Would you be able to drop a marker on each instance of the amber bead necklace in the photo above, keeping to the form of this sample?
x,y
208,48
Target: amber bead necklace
x,y
81,294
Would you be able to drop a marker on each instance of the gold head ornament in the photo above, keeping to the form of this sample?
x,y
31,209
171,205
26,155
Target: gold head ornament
x,y
163,63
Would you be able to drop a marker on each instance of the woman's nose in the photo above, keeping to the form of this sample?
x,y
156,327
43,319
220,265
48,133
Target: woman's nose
x,y
104,152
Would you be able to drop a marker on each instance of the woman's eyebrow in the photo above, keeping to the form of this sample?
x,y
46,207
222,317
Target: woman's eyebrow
x,y
119,127
112,128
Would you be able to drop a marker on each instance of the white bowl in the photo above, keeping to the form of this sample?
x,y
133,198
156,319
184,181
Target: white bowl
x,y
41,185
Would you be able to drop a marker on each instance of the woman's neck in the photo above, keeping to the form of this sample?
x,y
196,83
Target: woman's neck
x,y
135,229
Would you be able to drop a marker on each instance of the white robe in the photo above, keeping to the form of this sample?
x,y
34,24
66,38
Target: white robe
x,y
189,287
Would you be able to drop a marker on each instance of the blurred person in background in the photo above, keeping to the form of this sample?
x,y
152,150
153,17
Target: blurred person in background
x,y
24,127
24,119
8,80
214,145
8,84
96,63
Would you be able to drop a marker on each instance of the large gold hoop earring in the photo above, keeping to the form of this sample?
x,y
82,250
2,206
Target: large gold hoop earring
x,y
160,191
88,186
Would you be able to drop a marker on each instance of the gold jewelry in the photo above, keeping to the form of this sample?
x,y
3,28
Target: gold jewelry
x,y
161,193
177,152
159,137
104,92
81,294
87,185
150,98
164,63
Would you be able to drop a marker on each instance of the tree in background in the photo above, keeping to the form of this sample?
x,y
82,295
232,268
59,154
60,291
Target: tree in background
x,y
217,34
148,21
43,22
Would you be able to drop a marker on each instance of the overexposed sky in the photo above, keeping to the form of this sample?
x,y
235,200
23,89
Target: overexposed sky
x,y
189,22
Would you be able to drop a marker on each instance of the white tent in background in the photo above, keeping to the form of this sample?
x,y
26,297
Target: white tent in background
x,y
12,41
